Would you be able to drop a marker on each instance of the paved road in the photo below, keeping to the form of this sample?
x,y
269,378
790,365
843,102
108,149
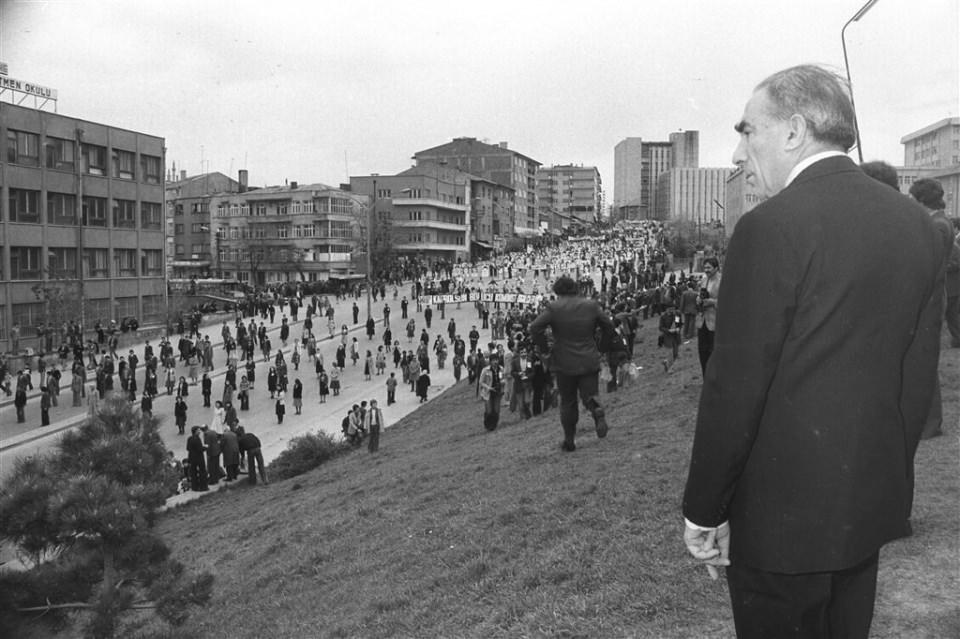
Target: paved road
x,y
28,439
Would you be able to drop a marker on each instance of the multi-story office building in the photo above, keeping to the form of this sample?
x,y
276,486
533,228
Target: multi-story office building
x,y
500,164
82,219
574,192
190,249
287,233
638,166
491,215
934,146
693,195
934,152
424,211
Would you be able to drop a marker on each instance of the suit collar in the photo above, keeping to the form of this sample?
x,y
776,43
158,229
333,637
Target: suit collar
x,y
825,166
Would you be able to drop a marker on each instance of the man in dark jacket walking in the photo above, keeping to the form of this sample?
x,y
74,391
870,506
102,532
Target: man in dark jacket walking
x,y
575,358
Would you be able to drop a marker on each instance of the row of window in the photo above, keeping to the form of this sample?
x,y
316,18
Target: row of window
x,y
60,154
24,206
28,263
31,315
196,208
286,255
330,228
453,239
341,206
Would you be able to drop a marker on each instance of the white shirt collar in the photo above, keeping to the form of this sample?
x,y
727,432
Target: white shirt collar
x,y
802,164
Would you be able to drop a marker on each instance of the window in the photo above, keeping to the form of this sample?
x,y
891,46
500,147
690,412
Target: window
x,y
60,154
95,263
124,164
152,262
283,231
95,158
25,263
124,213
261,209
340,229
178,229
150,215
179,250
125,262
150,165
259,233
282,208
197,227
62,262
94,211
24,206
23,148
153,308
61,208
126,307
28,316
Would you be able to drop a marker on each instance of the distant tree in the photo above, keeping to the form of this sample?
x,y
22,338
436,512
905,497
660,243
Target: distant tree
x,y
81,517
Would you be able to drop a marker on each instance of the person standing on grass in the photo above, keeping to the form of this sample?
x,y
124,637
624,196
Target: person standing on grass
x,y
822,372
574,359
709,292
373,422
250,445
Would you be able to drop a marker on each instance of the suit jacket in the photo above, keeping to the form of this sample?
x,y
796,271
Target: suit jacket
x,y
574,320
825,357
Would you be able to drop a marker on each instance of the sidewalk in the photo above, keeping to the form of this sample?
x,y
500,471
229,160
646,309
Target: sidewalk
x,y
27,434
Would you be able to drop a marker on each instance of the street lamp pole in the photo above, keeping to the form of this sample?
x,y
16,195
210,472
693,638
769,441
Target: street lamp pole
x,y
371,216
843,40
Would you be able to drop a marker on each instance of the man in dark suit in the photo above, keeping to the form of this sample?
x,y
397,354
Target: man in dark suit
x,y
825,355
574,359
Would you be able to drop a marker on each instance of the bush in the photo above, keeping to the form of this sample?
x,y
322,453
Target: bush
x,y
305,453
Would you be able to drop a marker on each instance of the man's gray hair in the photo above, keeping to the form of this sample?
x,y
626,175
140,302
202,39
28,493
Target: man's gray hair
x,y
820,96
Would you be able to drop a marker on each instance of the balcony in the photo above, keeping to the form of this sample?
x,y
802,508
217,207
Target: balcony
x,y
430,224
426,201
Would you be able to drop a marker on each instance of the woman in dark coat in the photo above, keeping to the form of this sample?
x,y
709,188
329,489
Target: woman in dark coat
x,y
180,414
342,356
297,395
251,372
272,382
183,388
423,383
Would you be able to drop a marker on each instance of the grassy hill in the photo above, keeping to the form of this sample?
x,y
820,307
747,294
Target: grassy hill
x,y
450,531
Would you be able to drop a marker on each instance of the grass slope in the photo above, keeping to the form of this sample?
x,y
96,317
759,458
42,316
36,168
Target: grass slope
x,y
450,531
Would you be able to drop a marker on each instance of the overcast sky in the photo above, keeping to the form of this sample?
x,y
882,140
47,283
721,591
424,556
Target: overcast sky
x,y
316,91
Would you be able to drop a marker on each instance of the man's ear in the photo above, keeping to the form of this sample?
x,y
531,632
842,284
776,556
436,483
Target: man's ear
x,y
796,132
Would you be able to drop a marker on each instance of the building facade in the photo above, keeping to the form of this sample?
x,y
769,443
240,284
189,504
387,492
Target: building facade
x,y
287,233
190,246
572,191
638,166
81,218
424,211
497,163
934,152
693,195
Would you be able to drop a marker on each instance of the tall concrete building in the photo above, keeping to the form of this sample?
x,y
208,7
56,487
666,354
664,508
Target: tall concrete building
x,y
81,223
693,195
497,163
572,191
638,166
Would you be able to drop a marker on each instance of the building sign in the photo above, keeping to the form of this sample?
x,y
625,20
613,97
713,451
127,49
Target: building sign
x,y
38,90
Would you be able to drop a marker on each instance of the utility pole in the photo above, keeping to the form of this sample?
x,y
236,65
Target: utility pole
x,y
81,221
371,216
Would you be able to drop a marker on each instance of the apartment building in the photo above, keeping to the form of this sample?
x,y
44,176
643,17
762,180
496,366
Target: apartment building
x,y
569,193
190,246
81,218
500,164
293,232
422,212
